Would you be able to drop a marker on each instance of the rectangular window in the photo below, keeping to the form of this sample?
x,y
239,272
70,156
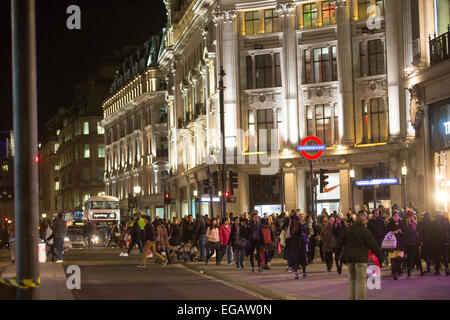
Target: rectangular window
x,y
309,121
251,130
320,65
277,70
86,128
57,167
101,150
363,7
263,69
271,21
336,124
378,120
87,174
328,13
380,7
78,129
56,147
323,123
57,186
101,173
310,15
251,23
87,151
265,125
376,57
100,129
249,66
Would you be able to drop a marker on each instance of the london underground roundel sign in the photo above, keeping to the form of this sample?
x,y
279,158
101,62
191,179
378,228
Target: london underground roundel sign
x,y
319,147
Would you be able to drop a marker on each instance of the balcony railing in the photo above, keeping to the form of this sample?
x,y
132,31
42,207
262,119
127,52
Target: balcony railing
x,y
439,48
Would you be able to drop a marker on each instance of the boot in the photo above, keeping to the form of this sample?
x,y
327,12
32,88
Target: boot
x,y
447,272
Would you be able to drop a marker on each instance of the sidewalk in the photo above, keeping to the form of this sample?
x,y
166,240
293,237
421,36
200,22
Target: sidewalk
x,y
321,284
53,281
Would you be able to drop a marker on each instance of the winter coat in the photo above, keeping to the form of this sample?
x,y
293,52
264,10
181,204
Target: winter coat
x,y
426,236
149,232
212,234
256,234
188,231
200,227
299,242
338,231
357,241
175,235
224,234
48,234
393,226
329,241
411,235
273,237
441,231
162,238
60,228
378,229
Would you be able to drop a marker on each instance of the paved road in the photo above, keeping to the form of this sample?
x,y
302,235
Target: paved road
x,y
106,276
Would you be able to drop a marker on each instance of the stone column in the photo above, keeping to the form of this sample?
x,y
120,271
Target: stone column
x,y
393,42
364,64
345,190
300,190
345,74
287,15
227,23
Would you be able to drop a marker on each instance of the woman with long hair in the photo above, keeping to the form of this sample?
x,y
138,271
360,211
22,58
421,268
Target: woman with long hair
x,y
213,238
396,227
299,243
329,243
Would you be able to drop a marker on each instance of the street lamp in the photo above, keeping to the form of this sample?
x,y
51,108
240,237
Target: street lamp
x,y
404,173
195,193
137,191
44,215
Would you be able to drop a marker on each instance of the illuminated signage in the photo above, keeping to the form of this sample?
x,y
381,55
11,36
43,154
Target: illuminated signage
x,y
311,148
376,182
207,199
104,215
447,127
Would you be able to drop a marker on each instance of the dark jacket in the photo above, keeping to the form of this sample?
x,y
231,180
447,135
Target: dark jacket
x,y
378,229
200,227
392,226
175,235
149,233
59,228
188,231
256,232
411,235
441,231
357,241
135,230
426,236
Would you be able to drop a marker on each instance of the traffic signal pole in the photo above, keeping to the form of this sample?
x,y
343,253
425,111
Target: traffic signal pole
x,y
26,200
222,131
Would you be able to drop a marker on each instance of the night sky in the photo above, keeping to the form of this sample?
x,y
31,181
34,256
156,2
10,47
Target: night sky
x,y
64,56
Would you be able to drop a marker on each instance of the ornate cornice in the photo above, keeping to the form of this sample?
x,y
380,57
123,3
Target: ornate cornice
x,y
225,16
340,3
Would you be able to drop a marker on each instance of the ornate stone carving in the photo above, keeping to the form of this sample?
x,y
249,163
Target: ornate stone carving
x,y
417,93
286,8
225,16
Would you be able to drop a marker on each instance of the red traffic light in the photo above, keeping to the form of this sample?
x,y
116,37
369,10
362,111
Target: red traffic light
x,y
227,194
36,159
167,195
6,219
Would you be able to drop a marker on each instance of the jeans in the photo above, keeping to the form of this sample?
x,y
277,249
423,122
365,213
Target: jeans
x,y
226,249
256,245
134,241
52,250
150,245
357,273
412,256
59,242
202,247
214,246
239,255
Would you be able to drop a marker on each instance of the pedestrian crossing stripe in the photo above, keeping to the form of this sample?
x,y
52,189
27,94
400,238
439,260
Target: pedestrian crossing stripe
x,y
26,283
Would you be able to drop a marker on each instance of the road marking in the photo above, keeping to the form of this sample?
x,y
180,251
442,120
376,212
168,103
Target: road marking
x,y
222,281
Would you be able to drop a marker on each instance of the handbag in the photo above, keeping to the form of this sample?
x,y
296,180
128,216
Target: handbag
x,y
389,241
243,243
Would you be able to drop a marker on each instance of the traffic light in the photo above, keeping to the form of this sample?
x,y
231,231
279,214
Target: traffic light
x,y
166,198
233,182
6,219
206,188
227,194
323,179
215,181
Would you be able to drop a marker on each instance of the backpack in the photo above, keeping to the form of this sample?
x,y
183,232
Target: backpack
x,y
266,235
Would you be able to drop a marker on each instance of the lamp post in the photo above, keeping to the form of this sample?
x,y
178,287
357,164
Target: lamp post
x,y
404,173
352,177
137,191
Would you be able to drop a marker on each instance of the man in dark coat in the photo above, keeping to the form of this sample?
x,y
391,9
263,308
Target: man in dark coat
x,y
187,231
427,239
377,227
357,241
200,234
135,236
256,239
441,242
59,233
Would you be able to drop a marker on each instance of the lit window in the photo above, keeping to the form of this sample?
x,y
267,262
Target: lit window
x,y
102,193
57,167
57,185
251,23
328,13
86,128
310,15
87,151
100,129
56,147
101,150
271,21
5,168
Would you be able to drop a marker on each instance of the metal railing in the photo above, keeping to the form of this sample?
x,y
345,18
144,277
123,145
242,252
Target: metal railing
x,y
439,48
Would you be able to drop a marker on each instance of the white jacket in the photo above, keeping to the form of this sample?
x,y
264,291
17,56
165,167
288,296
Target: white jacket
x,y
48,233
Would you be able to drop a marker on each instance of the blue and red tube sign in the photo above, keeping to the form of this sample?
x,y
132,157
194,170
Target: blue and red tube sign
x,y
319,147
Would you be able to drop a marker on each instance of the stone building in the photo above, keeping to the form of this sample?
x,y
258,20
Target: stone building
x,y
135,122
332,69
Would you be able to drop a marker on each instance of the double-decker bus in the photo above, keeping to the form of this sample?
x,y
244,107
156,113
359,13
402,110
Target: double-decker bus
x,y
101,209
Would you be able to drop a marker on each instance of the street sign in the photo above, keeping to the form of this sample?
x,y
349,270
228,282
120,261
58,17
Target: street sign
x,y
319,147
207,199
376,182
231,199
